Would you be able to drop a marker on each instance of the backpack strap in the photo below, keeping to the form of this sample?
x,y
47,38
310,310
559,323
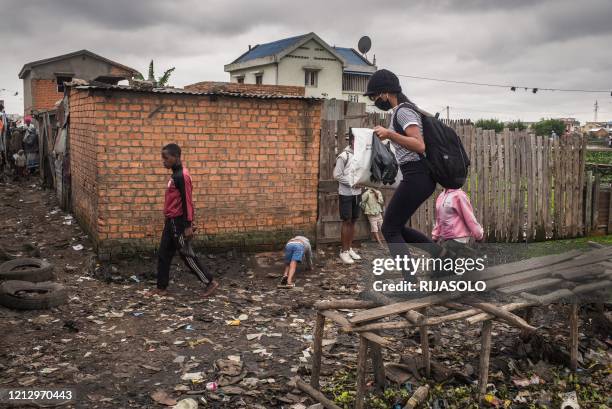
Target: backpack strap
x,y
396,125
398,128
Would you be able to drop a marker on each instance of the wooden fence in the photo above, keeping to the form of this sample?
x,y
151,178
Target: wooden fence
x,y
522,186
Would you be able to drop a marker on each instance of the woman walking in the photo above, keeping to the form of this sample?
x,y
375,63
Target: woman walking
x,y
405,132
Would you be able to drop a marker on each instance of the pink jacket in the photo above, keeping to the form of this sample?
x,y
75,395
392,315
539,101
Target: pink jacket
x,y
455,217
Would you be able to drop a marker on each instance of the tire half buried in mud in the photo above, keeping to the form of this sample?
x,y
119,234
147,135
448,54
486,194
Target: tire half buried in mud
x,y
33,270
24,295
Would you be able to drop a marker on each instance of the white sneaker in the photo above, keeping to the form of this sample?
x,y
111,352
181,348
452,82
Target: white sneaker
x,y
354,255
346,257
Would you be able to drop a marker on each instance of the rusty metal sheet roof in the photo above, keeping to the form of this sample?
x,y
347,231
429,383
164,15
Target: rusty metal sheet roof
x,y
182,91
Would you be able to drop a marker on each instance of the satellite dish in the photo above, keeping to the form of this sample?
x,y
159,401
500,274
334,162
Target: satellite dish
x,y
364,44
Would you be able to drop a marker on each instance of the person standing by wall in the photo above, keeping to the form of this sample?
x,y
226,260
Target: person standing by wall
x,y
4,131
30,145
178,226
417,184
372,202
349,199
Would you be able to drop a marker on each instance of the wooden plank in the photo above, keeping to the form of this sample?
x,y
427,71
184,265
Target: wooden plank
x,y
512,219
400,307
473,169
544,271
485,353
362,358
541,201
580,187
507,225
486,178
338,318
558,188
531,181
480,317
596,193
317,347
481,182
609,227
523,220
547,187
349,303
530,286
504,315
524,265
588,219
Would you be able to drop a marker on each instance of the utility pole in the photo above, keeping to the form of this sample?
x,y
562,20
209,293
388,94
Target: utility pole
x,y
447,113
596,107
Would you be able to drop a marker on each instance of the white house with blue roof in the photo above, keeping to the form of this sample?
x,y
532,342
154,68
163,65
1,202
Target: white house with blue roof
x,y
305,60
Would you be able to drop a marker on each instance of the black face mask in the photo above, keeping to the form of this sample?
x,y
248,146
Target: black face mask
x,y
382,105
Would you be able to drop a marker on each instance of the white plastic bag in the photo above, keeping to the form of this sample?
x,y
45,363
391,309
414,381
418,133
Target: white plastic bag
x,y
359,167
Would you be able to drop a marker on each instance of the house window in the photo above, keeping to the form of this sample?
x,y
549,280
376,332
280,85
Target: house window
x,y
240,80
353,97
60,82
258,79
310,78
354,82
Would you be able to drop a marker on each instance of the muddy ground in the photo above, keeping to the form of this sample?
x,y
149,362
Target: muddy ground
x,y
120,348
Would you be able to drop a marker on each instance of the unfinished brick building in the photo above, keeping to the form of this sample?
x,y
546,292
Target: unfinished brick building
x,y
43,80
254,159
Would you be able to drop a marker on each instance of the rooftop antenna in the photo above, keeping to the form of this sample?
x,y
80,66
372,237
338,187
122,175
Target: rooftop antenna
x,y
364,45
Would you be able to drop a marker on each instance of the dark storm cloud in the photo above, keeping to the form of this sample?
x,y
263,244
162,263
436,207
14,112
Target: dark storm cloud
x,y
556,43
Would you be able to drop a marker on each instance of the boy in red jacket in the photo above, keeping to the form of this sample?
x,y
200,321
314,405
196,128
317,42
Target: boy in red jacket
x,y
178,229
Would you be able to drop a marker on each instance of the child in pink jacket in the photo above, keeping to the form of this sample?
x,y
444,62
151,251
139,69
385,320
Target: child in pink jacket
x,y
455,218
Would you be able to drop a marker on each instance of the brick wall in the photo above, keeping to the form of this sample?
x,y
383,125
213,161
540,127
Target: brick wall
x,y
83,157
206,86
44,95
254,164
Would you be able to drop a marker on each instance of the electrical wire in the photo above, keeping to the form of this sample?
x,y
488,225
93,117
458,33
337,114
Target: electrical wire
x,y
512,87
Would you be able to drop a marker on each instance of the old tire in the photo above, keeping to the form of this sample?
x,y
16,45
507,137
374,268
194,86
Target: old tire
x,y
24,295
33,270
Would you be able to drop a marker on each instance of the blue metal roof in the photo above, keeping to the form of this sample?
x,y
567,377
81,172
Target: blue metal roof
x,y
351,56
268,49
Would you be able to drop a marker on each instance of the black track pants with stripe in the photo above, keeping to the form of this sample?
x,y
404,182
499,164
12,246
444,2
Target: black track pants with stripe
x,y
171,241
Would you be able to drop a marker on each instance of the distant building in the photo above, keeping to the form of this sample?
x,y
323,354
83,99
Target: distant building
x,y
43,80
308,61
571,124
599,132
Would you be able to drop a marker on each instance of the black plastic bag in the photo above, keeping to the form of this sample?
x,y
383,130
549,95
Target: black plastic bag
x,y
384,166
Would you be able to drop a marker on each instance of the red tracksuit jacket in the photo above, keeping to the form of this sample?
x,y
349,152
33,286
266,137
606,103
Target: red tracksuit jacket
x,y
178,200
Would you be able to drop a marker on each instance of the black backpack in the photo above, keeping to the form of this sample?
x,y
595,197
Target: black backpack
x,y
444,156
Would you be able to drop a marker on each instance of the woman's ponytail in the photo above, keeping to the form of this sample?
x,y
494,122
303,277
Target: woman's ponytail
x,y
401,98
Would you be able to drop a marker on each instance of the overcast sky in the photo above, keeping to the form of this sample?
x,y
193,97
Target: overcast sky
x,y
551,44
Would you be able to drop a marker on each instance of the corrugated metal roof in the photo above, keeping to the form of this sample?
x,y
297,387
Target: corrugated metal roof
x,y
351,56
268,49
181,91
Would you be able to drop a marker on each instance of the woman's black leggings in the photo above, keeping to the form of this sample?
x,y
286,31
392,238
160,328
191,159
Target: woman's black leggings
x,y
416,187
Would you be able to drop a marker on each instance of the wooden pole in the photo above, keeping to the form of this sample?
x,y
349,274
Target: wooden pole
x,y
485,353
362,359
378,366
317,348
573,336
315,394
424,332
